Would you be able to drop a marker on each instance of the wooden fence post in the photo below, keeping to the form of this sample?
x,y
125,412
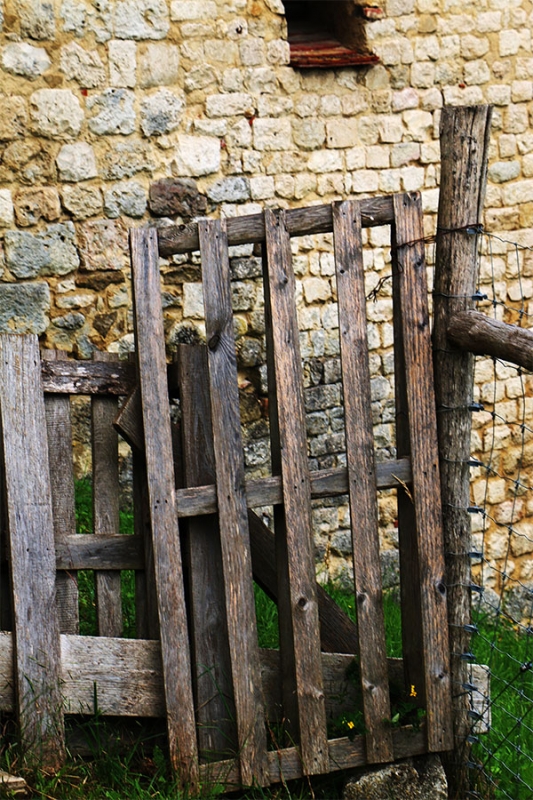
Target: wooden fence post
x,y
464,147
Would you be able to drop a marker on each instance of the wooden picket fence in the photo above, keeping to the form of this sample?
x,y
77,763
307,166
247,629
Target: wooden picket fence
x,y
198,546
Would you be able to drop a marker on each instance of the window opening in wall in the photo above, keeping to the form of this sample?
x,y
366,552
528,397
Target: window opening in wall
x,y
327,33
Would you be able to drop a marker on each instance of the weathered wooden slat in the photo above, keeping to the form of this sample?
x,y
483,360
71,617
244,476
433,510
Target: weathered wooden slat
x,y
129,679
59,429
251,229
303,694
412,628
347,236
286,764
485,336
106,492
267,491
103,552
146,612
233,518
152,373
86,377
217,733
412,287
37,675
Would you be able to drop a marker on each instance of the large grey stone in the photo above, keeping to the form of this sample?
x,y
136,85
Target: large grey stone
x,y
24,307
56,113
141,19
74,16
21,58
76,162
82,201
161,112
49,252
37,18
125,159
415,779
82,66
229,190
115,112
127,198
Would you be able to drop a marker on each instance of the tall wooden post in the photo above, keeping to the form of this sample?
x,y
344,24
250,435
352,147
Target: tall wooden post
x,y
464,138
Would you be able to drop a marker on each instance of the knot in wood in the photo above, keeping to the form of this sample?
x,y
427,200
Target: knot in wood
x,y
214,341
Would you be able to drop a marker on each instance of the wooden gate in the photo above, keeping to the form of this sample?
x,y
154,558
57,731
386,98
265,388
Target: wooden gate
x,y
198,545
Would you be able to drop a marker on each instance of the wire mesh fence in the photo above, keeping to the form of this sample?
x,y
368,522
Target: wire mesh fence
x,y
500,759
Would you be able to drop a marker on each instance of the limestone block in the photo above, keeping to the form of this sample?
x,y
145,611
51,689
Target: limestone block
x,y
82,66
24,307
355,158
391,128
278,52
13,118
229,105
261,80
365,180
240,134
82,201
74,16
161,112
49,252
516,119
521,91
125,159
6,209
285,186
509,43
325,161
406,98
377,157
196,155
170,197
229,190
32,205
474,46
113,112
55,113
244,295
477,72
141,19
342,133
308,134
128,198
404,153
181,10
316,290
398,8
159,65
122,63
199,77
103,245
499,94
412,178
307,105
76,162
272,134
419,124
20,58
252,51
489,22
423,75
79,300
37,18
70,322
502,171
389,180
427,48
274,106
193,301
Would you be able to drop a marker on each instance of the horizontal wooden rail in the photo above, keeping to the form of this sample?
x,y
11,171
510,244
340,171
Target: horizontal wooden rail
x,y
485,336
86,551
251,229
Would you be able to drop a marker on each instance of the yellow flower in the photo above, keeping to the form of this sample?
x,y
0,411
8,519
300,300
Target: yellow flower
x,y
412,693
350,724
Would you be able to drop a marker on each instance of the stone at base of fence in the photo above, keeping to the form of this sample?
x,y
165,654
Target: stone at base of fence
x,y
420,778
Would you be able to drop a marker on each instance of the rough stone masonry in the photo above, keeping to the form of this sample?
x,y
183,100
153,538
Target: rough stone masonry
x,y
116,113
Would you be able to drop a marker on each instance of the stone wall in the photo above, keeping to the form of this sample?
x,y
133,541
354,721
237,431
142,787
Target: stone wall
x,y
114,113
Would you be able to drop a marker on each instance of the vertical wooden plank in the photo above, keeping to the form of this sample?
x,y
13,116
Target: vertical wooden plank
x,y
148,315
464,142
412,628
412,288
106,501
362,478
202,551
32,553
303,694
59,428
233,517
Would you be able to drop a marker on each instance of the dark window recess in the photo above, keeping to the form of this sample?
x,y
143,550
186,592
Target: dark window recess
x,y
327,33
